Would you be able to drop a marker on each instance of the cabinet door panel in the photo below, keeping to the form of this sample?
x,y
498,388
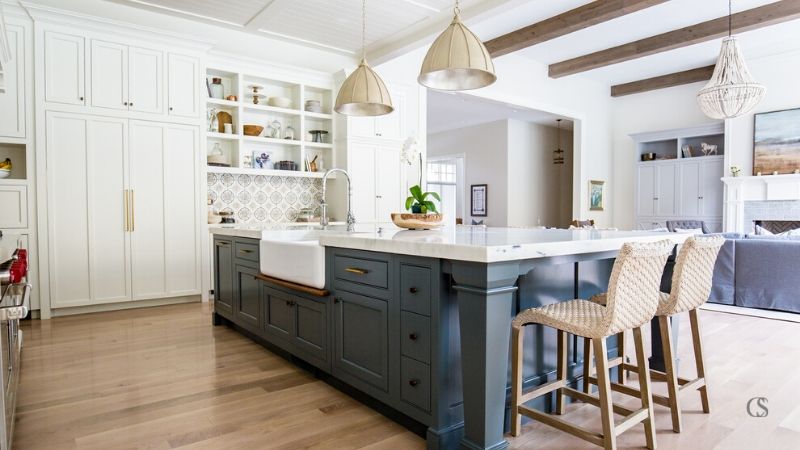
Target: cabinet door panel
x,y
146,80
108,241
362,173
14,213
247,307
109,75
12,97
391,126
388,183
665,190
361,338
180,210
223,277
712,188
310,327
278,315
645,183
64,68
147,186
689,187
183,86
362,126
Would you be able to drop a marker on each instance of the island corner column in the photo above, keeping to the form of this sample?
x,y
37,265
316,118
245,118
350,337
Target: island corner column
x,y
485,298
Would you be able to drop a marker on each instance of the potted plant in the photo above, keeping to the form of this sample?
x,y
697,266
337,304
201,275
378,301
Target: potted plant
x,y
418,202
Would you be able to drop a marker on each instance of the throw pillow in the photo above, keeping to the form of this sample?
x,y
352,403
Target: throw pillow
x,y
689,230
761,231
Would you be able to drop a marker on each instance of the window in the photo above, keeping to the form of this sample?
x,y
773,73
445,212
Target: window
x,y
443,178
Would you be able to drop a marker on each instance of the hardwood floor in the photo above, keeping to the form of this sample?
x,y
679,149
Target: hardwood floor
x,y
162,378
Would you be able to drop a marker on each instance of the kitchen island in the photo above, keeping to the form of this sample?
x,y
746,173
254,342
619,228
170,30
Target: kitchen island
x,y
420,320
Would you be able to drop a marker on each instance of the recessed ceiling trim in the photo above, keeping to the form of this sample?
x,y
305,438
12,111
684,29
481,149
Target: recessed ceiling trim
x,y
306,41
186,13
422,5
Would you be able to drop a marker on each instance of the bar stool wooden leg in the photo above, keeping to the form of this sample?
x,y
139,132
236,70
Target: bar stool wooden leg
x,y
698,359
621,347
561,370
644,388
672,377
604,388
516,380
587,365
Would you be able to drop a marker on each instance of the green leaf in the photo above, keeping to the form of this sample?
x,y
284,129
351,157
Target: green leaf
x,y
409,202
434,195
416,191
423,209
430,206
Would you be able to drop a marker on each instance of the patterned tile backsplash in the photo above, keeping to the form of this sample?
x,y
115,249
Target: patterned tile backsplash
x,y
260,198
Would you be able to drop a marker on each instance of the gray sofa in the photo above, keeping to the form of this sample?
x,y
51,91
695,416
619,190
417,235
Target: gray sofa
x,y
758,272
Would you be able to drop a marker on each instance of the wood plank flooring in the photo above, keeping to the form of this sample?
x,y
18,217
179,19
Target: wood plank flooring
x,y
164,378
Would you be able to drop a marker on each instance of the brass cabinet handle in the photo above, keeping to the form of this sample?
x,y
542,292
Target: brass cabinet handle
x,y
132,215
125,208
357,270
223,244
245,251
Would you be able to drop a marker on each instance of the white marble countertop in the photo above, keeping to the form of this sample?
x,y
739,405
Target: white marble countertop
x,y
481,244
262,230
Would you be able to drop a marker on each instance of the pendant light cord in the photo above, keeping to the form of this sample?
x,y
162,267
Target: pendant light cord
x,y
364,30
457,8
730,17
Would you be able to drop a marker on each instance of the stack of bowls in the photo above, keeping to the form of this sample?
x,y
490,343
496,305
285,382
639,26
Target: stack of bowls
x,y
313,106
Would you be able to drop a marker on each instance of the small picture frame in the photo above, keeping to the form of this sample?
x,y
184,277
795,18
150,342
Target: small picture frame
x,y
478,200
596,195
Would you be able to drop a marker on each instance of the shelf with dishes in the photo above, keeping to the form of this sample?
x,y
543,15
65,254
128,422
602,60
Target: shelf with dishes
x,y
259,124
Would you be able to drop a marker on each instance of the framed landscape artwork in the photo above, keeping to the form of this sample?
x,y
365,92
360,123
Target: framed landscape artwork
x,y
596,201
776,142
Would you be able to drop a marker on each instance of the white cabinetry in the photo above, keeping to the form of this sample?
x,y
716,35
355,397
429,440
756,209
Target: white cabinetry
x,y
389,126
184,76
127,78
375,172
146,80
64,68
12,98
121,216
656,187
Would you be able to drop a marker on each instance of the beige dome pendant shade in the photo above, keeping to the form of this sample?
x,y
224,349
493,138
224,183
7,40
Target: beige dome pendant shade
x,y
363,93
732,91
457,60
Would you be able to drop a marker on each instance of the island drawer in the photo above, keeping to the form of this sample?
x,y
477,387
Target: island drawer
x,y
415,379
361,270
415,289
415,336
247,251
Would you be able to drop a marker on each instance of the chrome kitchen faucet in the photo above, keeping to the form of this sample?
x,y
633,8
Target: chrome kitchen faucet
x,y
323,220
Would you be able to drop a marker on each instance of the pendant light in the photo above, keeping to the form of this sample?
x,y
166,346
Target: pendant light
x,y
363,93
457,60
558,154
732,91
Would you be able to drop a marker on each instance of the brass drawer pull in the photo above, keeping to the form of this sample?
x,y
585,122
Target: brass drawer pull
x,y
223,244
245,251
413,290
357,270
413,382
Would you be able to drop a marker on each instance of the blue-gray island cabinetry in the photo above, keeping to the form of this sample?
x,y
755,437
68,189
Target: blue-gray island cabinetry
x,y
420,321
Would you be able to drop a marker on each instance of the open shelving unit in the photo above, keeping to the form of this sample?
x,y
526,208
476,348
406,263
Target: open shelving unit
x,y
239,149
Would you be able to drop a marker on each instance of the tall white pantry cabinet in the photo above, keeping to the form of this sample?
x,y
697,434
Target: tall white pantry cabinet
x,y
118,123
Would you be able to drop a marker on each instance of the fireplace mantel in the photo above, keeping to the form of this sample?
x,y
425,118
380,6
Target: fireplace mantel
x,y
739,190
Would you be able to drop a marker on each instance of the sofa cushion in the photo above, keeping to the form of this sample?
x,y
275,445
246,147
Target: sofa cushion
x,y
722,285
766,273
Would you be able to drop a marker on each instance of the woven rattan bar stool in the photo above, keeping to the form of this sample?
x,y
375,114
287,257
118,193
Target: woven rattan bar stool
x,y
632,302
691,286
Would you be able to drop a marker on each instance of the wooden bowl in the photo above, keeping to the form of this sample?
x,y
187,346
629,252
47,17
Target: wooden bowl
x,y
253,130
418,221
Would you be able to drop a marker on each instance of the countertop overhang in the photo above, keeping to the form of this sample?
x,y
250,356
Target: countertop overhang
x,y
463,243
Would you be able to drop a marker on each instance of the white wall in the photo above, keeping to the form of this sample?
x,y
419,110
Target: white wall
x,y
677,108
524,82
515,159
536,192
485,162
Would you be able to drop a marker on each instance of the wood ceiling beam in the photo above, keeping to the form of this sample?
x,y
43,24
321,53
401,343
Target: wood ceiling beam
x,y
663,81
770,14
585,16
